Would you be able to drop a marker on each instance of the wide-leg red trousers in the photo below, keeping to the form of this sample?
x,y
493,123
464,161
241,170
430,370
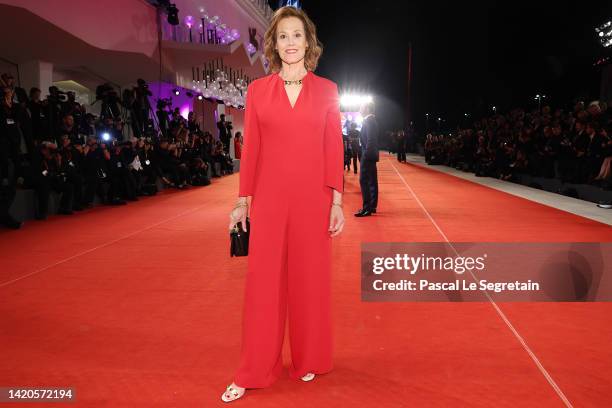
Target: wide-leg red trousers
x,y
288,278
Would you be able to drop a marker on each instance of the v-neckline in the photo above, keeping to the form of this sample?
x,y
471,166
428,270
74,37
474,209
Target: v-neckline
x,y
282,82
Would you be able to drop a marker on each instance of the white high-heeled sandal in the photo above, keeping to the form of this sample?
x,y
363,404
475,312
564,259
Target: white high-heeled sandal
x,y
308,377
232,393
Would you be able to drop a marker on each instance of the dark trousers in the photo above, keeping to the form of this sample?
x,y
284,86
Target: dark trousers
x,y
7,196
178,172
354,158
401,155
226,144
93,184
368,179
43,185
125,184
77,181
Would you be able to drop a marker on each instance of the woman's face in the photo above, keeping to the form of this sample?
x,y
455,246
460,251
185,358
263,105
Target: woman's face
x,y
291,40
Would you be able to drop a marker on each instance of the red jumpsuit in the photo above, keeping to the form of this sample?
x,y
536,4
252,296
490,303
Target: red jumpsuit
x,y
292,158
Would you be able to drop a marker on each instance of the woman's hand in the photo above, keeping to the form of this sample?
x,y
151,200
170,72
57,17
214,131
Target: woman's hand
x,y
238,214
336,220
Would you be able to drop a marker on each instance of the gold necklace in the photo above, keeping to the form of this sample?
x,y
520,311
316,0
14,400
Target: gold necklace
x,y
295,81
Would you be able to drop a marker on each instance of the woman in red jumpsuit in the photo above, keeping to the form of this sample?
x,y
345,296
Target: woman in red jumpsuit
x,y
238,145
292,168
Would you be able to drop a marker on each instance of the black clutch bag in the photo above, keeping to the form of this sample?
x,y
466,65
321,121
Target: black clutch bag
x,y
239,240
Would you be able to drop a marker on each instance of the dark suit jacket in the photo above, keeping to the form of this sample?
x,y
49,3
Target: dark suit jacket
x,y
369,139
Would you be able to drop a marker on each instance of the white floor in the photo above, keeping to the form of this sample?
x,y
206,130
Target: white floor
x,y
583,208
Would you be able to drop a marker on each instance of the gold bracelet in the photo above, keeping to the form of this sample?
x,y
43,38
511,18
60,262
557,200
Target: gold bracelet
x,y
338,204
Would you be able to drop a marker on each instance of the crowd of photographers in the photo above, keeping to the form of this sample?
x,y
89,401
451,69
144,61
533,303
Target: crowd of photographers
x,y
574,146
53,144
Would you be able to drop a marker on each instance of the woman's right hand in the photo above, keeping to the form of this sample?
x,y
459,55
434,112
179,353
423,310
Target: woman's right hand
x,y
239,214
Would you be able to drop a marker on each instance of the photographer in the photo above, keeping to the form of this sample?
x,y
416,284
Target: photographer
x,y
73,108
192,125
176,121
110,101
40,120
10,140
97,173
206,152
198,167
123,184
190,155
67,128
167,156
150,167
225,133
140,107
54,110
71,164
224,160
146,170
88,126
8,81
107,129
47,175
163,115
121,157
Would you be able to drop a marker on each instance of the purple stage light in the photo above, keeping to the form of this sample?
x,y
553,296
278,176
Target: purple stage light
x,y
189,20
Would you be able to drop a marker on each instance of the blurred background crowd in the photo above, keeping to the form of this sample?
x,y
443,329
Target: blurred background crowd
x,y
52,144
573,145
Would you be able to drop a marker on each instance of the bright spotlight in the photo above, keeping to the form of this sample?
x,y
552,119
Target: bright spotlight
x,y
106,136
176,91
354,100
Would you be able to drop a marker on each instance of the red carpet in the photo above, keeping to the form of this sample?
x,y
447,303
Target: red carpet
x,y
140,306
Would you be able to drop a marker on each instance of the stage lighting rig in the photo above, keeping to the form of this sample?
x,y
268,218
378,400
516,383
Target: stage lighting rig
x,y
604,32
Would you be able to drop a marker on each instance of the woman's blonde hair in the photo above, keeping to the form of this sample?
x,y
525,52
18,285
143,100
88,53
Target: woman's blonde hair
x,y
314,48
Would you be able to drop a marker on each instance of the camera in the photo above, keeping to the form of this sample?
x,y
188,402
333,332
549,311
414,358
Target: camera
x,y
163,103
110,101
141,93
106,93
55,95
143,86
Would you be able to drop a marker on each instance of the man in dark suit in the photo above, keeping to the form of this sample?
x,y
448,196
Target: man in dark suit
x,y
368,178
224,134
